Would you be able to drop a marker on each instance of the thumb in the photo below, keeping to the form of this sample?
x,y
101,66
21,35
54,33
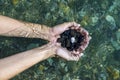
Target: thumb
x,y
70,24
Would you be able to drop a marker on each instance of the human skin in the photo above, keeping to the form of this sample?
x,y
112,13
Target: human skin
x,y
11,27
11,66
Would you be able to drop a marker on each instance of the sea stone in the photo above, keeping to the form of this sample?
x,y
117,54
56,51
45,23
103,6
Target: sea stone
x,y
70,39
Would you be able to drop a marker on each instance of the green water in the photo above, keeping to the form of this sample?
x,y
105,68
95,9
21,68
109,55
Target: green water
x,y
101,60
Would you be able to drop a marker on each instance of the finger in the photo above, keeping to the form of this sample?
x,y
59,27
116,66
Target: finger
x,y
72,27
53,39
90,38
56,38
84,45
83,31
63,27
86,40
58,44
63,53
71,24
78,26
75,52
80,50
75,58
72,57
81,54
75,26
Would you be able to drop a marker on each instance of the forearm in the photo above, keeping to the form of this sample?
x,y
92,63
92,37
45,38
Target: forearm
x,y
15,64
12,27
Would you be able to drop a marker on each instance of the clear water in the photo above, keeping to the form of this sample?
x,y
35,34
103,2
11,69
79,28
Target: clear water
x,y
101,60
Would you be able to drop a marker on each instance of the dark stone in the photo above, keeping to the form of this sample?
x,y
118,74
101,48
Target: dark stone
x,y
116,54
66,39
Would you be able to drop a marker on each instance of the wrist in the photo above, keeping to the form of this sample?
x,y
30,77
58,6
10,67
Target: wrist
x,y
49,49
51,53
51,35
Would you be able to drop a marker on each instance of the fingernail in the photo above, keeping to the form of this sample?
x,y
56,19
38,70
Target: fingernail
x,y
79,25
90,37
81,54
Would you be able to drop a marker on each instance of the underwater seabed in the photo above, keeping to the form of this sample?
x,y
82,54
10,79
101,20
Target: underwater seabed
x,y
101,60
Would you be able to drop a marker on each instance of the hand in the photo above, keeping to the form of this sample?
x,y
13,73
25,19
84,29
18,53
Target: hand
x,y
86,40
58,29
74,55
55,49
64,53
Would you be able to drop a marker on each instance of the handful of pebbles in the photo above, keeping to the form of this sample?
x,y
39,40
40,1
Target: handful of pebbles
x,y
71,39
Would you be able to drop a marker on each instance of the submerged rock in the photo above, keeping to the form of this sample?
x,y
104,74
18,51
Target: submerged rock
x,y
117,55
111,21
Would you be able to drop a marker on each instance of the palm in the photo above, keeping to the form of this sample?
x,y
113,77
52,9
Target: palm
x,y
64,53
62,27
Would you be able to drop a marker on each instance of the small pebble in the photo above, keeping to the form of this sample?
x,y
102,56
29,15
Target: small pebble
x,y
70,39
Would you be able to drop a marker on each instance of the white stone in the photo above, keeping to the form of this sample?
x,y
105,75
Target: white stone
x,y
72,39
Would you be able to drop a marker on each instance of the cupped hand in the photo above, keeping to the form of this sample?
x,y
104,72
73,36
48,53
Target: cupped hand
x,y
56,49
86,40
67,55
58,29
63,52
